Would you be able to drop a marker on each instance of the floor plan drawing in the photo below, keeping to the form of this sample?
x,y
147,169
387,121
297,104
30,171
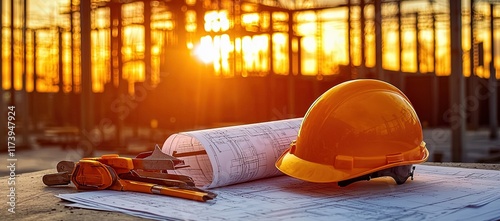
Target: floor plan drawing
x,y
234,154
436,193
200,168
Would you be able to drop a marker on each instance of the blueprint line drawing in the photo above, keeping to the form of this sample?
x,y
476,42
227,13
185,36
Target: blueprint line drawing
x,y
200,168
234,154
436,193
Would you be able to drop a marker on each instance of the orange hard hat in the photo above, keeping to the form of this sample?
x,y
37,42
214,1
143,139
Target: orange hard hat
x,y
356,128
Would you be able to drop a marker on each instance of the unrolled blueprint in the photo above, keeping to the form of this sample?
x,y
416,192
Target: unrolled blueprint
x,y
436,193
234,154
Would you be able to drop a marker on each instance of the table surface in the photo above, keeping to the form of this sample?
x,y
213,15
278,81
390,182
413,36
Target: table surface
x,y
35,201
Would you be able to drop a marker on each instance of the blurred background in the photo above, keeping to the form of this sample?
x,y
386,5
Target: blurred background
x,y
87,76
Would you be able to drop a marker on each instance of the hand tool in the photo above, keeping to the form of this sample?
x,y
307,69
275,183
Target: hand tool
x,y
63,175
147,173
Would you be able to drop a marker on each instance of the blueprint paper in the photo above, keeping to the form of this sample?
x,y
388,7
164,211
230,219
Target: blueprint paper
x,y
436,193
234,154
239,166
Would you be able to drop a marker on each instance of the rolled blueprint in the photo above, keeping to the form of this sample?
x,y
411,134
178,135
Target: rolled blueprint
x,y
234,154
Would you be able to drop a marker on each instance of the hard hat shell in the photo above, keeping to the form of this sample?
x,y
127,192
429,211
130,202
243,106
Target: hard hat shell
x,y
355,128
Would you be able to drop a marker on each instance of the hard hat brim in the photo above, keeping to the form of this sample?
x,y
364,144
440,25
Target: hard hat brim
x,y
298,168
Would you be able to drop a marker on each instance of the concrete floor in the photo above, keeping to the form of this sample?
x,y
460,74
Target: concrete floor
x,y
477,148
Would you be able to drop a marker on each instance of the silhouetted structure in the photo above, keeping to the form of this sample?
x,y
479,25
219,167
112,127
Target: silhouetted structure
x,y
134,63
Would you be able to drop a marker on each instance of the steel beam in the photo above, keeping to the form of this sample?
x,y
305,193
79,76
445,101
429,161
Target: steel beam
x,y
87,105
456,115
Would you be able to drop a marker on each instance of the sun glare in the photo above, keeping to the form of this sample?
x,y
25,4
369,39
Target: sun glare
x,y
205,50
